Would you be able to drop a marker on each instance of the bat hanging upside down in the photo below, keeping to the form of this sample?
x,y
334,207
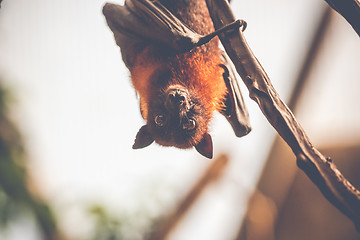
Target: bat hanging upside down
x,y
178,71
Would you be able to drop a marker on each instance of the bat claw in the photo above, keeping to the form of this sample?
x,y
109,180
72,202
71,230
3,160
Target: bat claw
x,y
243,24
228,27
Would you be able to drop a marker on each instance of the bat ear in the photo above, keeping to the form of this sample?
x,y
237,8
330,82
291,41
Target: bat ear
x,y
143,138
205,146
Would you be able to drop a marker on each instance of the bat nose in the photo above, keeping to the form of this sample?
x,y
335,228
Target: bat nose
x,y
177,97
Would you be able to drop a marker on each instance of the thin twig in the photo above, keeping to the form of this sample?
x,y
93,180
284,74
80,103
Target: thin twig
x,y
319,169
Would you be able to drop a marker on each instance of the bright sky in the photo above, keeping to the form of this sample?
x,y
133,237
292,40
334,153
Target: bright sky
x,y
79,114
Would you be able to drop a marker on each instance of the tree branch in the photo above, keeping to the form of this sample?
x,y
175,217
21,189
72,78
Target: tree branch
x,y
350,10
319,169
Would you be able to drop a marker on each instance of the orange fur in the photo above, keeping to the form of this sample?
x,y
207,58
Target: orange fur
x,y
198,69
200,72
144,67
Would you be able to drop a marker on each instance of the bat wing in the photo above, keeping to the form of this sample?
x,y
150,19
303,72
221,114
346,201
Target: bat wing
x,y
235,110
144,21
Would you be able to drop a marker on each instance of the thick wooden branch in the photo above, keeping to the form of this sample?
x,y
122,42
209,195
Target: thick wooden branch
x,y
350,10
319,169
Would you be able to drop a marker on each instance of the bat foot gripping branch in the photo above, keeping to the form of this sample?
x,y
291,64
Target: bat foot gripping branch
x,y
231,26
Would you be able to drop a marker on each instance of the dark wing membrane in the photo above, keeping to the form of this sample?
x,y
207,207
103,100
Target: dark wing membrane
x,y
235,110
144,21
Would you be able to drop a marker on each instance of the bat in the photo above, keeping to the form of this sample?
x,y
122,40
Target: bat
x,y
178,71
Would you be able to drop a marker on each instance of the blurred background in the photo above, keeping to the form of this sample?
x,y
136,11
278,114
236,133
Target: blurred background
x,y
69,115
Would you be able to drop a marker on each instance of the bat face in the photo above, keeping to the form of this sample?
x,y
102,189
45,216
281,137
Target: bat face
x,y
175,110
175,118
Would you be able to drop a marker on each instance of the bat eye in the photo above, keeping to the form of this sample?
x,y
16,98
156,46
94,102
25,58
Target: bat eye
x,y
160,120
190,124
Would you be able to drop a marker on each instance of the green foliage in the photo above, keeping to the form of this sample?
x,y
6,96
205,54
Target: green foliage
x,y
15,198
106,227
110,226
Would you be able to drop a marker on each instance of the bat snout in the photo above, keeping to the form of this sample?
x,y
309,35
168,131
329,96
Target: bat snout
x,y
177,99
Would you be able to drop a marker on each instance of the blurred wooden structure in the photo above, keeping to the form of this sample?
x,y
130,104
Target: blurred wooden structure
x,y
167,224
296,209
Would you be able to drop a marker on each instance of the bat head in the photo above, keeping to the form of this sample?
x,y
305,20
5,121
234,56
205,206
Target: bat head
x,y
177,118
